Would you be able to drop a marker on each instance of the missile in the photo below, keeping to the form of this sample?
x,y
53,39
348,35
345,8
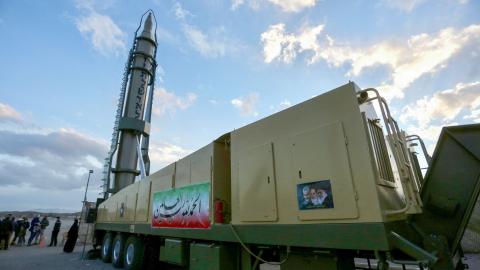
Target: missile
x,y
132,125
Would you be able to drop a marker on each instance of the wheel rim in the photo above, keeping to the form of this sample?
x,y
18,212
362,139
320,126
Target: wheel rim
x,y
116,250
130,254
106,247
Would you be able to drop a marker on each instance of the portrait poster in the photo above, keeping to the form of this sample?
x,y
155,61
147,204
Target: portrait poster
x,y
315,195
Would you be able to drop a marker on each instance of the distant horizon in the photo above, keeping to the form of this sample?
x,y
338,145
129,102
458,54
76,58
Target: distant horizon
x,y
44,211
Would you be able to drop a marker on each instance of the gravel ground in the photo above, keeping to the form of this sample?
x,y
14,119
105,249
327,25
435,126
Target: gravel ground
x,y
52,258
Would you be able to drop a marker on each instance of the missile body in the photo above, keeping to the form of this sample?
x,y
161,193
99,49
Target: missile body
x,y
132,125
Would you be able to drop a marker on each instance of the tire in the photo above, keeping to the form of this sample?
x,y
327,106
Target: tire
x,y
106,252
118,247
134,253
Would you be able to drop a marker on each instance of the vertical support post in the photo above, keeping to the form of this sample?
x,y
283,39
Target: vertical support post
x,y
246,263
85,241
85,196
84,207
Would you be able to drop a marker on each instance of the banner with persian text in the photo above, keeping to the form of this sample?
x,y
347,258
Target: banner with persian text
x,y
185,207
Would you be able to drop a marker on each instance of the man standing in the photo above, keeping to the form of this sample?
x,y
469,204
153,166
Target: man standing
x,y
56,229
24,224
34,229
16,229
1,231
43,225
7,229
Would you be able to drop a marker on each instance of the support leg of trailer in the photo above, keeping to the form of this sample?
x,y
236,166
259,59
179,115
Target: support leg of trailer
x,y
382,263
255,264
246,261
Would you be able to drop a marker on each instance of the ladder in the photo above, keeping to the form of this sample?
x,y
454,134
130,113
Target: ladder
x,y
118,114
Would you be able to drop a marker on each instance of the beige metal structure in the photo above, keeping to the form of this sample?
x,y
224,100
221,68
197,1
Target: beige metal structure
x,y
328,137
210,164
316,184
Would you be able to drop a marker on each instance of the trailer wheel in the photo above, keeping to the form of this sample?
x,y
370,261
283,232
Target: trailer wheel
x,y
134,253
118,250
106,253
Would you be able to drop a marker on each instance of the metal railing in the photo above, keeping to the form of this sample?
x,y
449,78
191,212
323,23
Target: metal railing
x,y
397,145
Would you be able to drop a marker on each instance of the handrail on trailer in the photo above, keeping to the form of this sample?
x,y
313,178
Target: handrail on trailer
x,y
414,137
394,133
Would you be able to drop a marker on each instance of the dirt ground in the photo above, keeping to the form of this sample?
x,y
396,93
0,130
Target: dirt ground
x,y
51,258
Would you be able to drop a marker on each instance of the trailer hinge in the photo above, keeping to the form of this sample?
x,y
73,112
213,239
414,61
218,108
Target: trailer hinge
x,y
346,140
356,195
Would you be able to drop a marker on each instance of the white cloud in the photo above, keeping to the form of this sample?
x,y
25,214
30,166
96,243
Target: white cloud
x,y
206,45
236,4
92,5
284,5
162,154
409,5
404,5
85,4
285,104
164,35
8,113
419,55
429,134
160,73
246,105
444,106
105,35
426,116
474,115
51,163
53,160
293,5
168,102
279,45
46,200
20,160
180,12
212,44
281,106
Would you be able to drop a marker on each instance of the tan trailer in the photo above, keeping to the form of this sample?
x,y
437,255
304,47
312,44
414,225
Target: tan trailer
x,y
310,187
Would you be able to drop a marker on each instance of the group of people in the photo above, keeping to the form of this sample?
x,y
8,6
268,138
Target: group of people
x,y
13,232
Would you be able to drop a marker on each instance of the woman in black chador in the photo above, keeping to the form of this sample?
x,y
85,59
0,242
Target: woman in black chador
x,y
71,237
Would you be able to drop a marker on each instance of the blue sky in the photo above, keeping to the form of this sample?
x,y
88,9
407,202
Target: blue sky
x,y
222,64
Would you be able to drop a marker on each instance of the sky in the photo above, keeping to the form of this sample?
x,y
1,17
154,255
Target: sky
x,y
222,65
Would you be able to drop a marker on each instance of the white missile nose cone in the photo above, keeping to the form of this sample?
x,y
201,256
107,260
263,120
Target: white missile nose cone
x,y
148,26
148,23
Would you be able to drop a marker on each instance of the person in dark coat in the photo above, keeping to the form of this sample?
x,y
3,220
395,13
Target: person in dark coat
x,y
71,237
1,230
34,229
16,228
43,225
7,229
24,224
56,229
